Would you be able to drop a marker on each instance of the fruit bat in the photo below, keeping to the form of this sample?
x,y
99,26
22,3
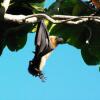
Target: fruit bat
x,y
44,44
42,47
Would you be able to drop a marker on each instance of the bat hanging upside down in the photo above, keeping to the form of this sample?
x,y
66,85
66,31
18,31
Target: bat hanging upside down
x,y
44,44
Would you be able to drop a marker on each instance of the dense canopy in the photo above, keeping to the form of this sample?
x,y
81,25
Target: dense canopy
x,y
84,36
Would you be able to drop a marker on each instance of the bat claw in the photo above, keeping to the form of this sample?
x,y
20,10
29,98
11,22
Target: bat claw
x,y
42,77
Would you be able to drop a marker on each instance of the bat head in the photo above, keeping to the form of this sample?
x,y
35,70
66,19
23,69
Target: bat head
x,y
55,40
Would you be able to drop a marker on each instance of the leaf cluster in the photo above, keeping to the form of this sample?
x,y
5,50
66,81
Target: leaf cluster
x,y
77,35
14,35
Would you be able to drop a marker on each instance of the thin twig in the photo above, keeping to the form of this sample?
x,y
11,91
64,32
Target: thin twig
x,y
45,16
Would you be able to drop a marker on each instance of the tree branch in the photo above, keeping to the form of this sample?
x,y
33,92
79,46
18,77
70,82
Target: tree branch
x,y
5,4
42,16
54,19
19,18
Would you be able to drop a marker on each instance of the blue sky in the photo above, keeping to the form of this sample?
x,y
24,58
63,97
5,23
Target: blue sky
x,y
68,77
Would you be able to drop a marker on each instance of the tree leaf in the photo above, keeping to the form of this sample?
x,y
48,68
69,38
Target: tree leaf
x,y
16,42
17,37
17,9
38,7
30,1
2,43
89,57
69,7
61,7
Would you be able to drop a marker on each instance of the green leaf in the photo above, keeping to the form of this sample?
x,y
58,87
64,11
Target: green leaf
x,y
2,44
94,40
95,34
96,51
17,37
17,9
2,12
89,56
26,7
38,7
16,42
61,7
76,10
69,7
30,1
66,7
34,28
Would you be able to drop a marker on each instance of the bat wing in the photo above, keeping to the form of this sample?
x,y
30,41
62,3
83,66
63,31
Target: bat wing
x,y
42,41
